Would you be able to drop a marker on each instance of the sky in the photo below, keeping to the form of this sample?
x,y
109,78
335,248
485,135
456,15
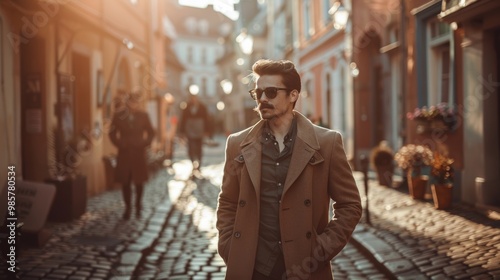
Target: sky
x,y
225,7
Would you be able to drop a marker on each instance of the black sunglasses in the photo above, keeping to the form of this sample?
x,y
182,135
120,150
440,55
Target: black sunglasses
x,y
270,92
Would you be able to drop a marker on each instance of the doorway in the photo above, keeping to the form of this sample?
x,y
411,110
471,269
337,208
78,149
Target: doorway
x,y
34,145
82,94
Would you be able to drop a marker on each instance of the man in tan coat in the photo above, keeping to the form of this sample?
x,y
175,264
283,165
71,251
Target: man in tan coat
x,y
279,176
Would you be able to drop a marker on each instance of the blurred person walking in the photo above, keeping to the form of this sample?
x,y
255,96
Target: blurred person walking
x,y
194,125
279,176
131,132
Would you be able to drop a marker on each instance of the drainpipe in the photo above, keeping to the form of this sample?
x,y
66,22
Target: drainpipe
x,y
404,69
59,137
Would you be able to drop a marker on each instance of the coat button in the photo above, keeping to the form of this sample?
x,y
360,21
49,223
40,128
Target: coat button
x,y
241,158
237,234
308,235
242,203
307,202
312,160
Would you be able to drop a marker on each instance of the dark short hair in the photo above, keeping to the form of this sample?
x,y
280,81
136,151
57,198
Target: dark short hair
x,y
284,68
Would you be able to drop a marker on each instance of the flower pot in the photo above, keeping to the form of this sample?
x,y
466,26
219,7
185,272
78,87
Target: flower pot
x,y
384,175
438,125
417,185
442,195
70,201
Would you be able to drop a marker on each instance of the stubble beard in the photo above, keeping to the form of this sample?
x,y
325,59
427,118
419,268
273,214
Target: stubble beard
x,y
271,115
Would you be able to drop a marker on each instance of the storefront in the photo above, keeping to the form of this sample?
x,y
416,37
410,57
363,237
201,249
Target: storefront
x,y
478,79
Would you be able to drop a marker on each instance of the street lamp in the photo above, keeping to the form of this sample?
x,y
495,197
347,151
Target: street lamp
x,y
227,86
194,89
220,105
245,41
169,98
340,15
354,69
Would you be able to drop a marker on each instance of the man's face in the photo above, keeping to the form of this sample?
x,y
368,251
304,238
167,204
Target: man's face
x,y
133,102
278,106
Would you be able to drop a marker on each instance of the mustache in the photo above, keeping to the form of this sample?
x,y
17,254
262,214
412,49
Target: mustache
x,y
265,106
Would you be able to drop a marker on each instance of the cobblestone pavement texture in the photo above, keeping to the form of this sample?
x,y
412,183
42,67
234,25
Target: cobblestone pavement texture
x,y
176,238
412,240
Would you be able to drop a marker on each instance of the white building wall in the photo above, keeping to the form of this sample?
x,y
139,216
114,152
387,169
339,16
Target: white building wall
x,y
197,68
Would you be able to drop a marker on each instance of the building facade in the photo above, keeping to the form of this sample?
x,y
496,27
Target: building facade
x,y
63,63
323,54
476,56
198,46
391,57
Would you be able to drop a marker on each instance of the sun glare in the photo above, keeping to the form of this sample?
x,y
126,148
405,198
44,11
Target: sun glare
x,y
224,7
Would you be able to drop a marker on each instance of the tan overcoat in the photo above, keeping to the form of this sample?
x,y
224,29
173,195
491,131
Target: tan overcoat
x,y
310,238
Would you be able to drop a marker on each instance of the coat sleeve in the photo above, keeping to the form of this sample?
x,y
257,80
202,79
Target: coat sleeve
x,y
347,203
114,134
227,202
149,130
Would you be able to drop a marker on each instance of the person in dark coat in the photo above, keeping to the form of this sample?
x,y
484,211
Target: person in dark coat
x,y
131,132
194,126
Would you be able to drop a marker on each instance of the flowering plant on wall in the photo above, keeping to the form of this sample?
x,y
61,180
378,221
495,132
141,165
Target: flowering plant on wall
x,y
440,117
442,111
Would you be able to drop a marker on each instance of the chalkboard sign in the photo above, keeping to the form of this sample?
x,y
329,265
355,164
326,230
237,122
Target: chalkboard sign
x,y
32,204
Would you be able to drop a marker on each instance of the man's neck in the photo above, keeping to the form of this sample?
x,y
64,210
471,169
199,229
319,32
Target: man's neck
x,y
280,126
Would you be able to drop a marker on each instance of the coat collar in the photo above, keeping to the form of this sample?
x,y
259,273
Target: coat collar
x,y
305,147
305,132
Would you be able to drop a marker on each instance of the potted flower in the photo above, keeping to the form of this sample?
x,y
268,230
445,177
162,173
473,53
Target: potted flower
x,y
412,158
70,200
442,175
441,117
382,160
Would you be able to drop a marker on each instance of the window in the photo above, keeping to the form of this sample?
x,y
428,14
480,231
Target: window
x,y
203,54
307,98
190,81
327,18
308,17
190,24
439,61
203,26
189,54
289,33
203,89
343,104
392,34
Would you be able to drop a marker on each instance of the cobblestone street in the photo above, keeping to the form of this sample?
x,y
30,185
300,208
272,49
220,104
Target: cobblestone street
x,y
175,238
187,248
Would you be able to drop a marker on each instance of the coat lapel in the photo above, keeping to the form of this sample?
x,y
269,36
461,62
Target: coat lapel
x,y
253,156
306,145
251,150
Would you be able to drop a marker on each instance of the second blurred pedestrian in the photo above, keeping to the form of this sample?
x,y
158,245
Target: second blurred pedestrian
x,y
195,125
131,132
